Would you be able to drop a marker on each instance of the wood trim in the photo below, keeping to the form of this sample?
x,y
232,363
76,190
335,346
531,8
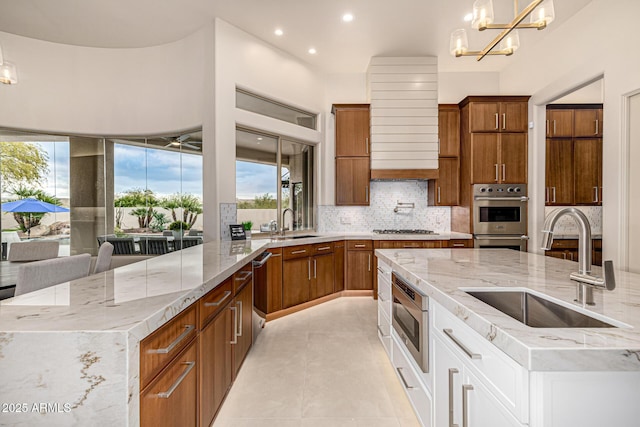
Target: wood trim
x,y
317,301
405,173
335,107
574,106
455,107
468,99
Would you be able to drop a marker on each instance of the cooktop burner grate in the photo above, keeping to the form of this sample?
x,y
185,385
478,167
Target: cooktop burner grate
x,y
400,231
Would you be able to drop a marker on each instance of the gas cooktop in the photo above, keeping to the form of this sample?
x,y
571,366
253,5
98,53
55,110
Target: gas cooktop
x,y
400,231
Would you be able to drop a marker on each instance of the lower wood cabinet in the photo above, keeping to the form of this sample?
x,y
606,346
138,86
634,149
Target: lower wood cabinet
x,y
309,276
339,249
360,270
322,278
243,326
172,397
567,249
296,278
268,290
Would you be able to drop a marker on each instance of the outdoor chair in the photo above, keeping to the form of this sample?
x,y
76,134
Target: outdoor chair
x,y
193,232
103,238
122,245
153,245
103,261
187,242
35,250
42,274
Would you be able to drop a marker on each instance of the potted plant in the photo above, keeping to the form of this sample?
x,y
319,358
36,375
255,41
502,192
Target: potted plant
x,y
178,228
247,228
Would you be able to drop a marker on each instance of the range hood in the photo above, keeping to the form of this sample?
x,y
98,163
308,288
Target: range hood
x,y
403,93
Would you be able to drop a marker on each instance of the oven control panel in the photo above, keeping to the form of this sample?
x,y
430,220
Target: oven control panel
x,y
500,190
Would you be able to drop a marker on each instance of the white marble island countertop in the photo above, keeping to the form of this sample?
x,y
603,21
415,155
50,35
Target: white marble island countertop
x,y
442,274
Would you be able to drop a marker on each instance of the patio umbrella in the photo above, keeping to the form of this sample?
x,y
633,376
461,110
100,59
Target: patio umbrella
x,y
31,206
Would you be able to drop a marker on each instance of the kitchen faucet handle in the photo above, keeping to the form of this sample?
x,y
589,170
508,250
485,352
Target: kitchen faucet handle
x,y
609,276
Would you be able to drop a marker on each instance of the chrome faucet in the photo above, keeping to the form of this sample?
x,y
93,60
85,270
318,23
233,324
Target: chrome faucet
x,y
585,281
284,212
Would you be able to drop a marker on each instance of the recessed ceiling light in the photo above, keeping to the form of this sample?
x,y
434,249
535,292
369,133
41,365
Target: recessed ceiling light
x,y
312,51
468,17
347,17
278,32
259,138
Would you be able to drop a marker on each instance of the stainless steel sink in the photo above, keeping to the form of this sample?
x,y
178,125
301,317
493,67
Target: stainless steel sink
x,y
304,236
536,311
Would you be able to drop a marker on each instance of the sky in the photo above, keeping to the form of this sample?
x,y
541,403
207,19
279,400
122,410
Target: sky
x,y
255,179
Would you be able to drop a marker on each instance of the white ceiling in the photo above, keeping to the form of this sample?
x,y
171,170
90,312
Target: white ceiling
x,y
380,27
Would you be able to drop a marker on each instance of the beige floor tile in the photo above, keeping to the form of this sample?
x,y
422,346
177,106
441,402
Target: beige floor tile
x,y
377,422
258,422
329,422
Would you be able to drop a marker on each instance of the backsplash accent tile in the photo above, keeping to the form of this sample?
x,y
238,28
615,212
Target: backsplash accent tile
x,y
567,225
228,216
380,215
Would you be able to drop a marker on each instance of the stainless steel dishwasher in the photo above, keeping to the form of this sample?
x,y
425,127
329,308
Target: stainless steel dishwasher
x,y
259,282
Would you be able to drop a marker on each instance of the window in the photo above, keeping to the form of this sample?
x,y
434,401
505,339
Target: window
x,y
257,104
273,174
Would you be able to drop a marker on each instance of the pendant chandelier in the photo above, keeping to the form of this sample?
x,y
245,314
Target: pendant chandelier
x,y
8,74
540,12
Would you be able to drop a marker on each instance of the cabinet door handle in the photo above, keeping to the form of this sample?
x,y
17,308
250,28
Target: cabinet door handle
x,y
496,165
504,172
438,194
504,120
382,333
369,267
380,297
359,246
472,355
315,269
497,126
240,327
547,127
174,343
366,141
554,127
546,194
564,255
167,394
466,388
301,251
309,267
324,248
554,194
404,381
366,193
452,372
597,127
595,200
227,294
235,325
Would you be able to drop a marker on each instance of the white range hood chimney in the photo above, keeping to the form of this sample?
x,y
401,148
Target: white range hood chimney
x,y
403,93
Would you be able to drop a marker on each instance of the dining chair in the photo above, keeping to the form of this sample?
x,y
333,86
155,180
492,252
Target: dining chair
x,y
153,245
37,275
103,261
34,250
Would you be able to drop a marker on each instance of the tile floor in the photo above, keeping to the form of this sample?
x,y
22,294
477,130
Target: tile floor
x,y
323,366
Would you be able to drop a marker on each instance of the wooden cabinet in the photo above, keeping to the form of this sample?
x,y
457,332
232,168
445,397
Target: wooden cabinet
x,y
559,172
172,397
339,266
588,171
445,191
323,276
352,181
588,123
352,130
497,116
353,163
567,249
459,243
449,130
243,326
296,277
359,265
308,273
268,291
560,123
500,158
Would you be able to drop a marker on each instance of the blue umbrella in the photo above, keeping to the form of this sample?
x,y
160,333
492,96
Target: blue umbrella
x,y
32,206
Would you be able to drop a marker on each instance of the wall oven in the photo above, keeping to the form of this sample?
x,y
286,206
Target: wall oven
x,y
500,216
411,319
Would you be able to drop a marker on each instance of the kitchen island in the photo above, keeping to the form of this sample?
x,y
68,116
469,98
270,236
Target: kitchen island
x,y
70,354
530,376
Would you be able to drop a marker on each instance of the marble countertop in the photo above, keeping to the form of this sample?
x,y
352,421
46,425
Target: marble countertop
x,y
329,237
575,236
442,273
136,298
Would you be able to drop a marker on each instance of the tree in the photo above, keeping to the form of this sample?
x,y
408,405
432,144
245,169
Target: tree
x,y
266,201
190,204
22,163
143,200
28,220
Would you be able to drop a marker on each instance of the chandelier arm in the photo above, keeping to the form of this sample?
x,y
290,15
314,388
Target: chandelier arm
x,y
516,21
517,27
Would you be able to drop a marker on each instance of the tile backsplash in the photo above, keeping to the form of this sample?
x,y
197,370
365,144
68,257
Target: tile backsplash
x,y
380,215
567,225
228,216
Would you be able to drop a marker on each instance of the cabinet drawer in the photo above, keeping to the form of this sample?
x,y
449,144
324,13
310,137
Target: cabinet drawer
x,y
384,295
323,248
171,399
384,331
291,252
359,245
214,301
242,276
420,399
505,378
386,244
408,244
162,345
565,244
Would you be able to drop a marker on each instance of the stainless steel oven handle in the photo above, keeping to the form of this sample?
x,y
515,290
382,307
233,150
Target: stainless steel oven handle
x,y
501,199
263,260
472,355
499,237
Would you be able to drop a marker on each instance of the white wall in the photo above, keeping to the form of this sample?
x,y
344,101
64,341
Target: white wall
x,y
95,91
595,42
453,87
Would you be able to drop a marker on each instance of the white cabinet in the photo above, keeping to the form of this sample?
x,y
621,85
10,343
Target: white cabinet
x,y
410,378
384,306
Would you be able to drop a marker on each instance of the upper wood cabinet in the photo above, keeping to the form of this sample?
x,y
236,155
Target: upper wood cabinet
x,y
444,191
559,172
352,130
588,123
588,171
559,123
487,115
500,158
449,130
352,181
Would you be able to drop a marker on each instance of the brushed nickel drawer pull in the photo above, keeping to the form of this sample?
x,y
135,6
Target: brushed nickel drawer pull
x,y
324,248
458,245
452,372
497,126
167,349
554,194
439,194
504,121
504,172
315,268
235,325
466,388
359,246
547,127
369,268
366,141
554,127
597,127
595,200
239,303
227,294
299,252
496,165
449,333
244,277
404,381
167,394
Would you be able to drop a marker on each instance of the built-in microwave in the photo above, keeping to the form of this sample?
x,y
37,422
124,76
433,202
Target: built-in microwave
x,y
411,319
